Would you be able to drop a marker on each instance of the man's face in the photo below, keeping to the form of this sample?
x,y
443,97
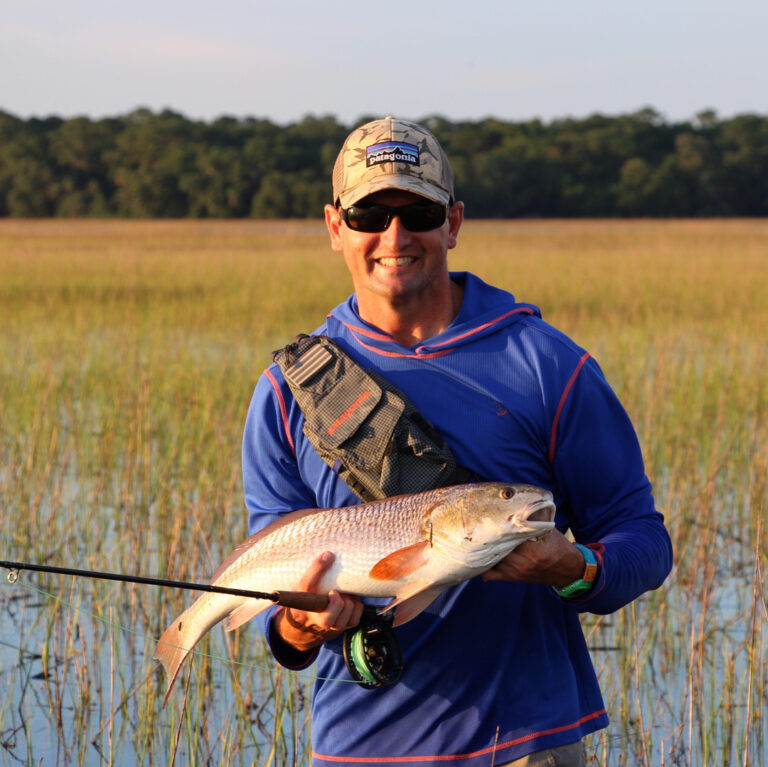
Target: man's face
x,y
395,264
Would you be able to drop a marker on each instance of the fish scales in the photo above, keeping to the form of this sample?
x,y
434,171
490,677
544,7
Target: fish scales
x,y
395,524
409,547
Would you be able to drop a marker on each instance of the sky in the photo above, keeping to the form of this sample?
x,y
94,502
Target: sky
x,y
285,59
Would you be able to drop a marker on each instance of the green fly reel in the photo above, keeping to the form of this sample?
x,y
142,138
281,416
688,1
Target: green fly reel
x,y
372,651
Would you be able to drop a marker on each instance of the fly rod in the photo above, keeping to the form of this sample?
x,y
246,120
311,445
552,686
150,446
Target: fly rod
x,y
301,600
371,651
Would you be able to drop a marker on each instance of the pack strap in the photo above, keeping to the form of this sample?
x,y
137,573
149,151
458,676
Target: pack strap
x,y
362,426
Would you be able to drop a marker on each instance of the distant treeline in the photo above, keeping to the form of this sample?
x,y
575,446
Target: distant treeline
x,y
164,165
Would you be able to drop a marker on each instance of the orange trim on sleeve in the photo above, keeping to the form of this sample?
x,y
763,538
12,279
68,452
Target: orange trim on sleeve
x,y
561,405
283,409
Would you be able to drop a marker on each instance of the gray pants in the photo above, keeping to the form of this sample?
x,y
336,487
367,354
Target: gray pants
x,y
571,755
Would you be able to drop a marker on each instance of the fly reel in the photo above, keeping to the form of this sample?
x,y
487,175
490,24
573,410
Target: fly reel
x,y
372,651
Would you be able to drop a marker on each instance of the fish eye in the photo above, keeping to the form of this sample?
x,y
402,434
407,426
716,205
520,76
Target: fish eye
x,y
507,492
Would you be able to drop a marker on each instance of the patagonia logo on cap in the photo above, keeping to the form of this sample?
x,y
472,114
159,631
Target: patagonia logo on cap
x,y
391,151
391,154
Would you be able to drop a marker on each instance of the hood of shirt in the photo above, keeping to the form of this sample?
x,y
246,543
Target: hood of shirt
x,y
484,310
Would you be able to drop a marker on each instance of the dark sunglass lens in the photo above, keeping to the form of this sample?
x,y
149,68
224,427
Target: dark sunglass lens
x,y
372,219
422,218
417,217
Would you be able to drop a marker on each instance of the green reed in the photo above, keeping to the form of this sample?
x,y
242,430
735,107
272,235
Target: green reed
x,y
128,355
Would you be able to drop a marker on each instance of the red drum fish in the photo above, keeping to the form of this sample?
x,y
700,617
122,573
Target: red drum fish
x,y
408,547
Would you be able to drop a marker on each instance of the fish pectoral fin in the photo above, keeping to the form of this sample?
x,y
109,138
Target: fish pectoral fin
x,y
246,611
409,605
401,563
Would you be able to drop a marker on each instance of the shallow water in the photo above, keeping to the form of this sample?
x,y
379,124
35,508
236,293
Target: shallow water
x,y
76,680
81,688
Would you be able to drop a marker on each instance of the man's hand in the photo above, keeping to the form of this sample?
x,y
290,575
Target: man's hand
x,y
305,630
552,560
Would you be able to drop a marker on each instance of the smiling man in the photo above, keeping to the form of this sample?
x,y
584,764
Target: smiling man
x,y
400,276
496,669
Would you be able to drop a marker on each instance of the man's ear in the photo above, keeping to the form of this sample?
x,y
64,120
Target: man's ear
x,y
455,219
333,223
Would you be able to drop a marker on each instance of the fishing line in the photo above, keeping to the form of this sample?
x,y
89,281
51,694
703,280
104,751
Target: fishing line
x,y
13,578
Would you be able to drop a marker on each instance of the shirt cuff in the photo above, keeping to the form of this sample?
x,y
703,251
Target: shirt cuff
x,y
285,654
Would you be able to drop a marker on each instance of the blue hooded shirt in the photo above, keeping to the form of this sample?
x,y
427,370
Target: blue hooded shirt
x,y
492,670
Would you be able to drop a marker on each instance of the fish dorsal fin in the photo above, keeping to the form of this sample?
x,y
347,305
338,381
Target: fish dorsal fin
x,y
401,563
245,612
409,605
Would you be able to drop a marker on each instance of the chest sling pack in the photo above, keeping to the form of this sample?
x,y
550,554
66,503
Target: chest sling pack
x,y
373,437
362,426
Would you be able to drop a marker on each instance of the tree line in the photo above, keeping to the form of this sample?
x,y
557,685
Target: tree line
x,y
148,164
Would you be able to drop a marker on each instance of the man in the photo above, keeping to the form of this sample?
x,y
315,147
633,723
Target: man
x,y
496,669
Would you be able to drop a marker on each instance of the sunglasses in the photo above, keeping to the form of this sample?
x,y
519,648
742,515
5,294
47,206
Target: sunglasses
x,y
416,217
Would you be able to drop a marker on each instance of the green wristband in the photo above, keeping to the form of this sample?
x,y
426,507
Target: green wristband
x,y
587,580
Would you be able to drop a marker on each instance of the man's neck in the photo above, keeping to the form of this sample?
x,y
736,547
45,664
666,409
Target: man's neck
x,y
411,322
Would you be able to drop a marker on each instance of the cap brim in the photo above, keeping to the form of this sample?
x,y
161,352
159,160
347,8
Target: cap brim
x,y
394,181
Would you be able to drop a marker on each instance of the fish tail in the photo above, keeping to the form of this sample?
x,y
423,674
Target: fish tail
x,y
184,633
172,649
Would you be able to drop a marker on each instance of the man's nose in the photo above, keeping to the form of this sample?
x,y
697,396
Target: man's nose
x,y
395,234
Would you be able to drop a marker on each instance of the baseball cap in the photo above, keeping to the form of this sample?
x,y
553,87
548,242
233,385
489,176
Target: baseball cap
x,y
391,154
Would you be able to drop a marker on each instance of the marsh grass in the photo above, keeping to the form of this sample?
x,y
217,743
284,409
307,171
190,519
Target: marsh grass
x,y
128,354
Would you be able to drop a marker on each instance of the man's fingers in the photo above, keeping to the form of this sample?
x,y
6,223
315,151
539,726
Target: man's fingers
x,y
310,581
344,610
552,560
357,613
304,629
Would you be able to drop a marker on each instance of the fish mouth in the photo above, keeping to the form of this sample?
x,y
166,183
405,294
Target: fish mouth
x,y
542,511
